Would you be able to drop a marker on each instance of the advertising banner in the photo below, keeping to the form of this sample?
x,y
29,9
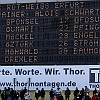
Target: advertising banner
x,y
48,77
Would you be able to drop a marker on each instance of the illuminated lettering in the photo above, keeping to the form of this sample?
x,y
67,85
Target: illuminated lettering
x,y
13,14
41,5
86,51
3,14
44,5
66,4
86,35
82,12
37,6
11,44
20,29
62,5
20,44
21,59
19,36
63,28
63,35
57,5
21,51
21,21
63,51
86,43
46,29
30,6
87,27
13,6
86,19
64,20
47,13
63,43
76,4
47,6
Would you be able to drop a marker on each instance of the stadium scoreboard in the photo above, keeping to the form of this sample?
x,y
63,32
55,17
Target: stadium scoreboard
x,y
50,33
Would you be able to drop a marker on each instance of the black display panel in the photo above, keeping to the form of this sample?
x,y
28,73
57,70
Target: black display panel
x,y
50,33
